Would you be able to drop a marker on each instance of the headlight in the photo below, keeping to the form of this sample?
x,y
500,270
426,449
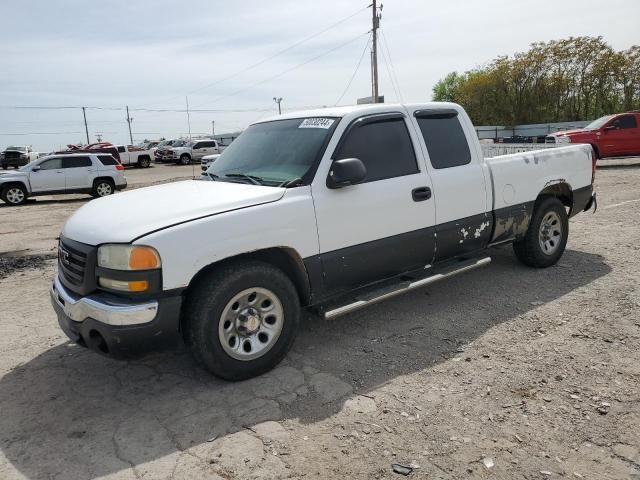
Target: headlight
x,y
128,257
563,140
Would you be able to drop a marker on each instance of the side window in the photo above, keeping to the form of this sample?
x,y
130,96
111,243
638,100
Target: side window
x,y
626,121
121,149
445,140
384,147
198,145
53,164
76,162
107,160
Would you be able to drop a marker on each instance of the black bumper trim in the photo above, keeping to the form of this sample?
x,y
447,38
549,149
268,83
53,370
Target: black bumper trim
x,y
127,341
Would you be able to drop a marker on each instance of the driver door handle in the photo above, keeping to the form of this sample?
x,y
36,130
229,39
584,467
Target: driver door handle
x,y
420,194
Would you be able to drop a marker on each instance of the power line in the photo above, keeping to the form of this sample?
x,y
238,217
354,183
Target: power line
x,y
385,46
277,54
287,70
393,83
344,92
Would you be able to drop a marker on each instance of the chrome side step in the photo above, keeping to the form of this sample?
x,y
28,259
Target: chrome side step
x,y
405,287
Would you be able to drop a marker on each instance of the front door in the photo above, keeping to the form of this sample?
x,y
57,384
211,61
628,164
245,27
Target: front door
x,y
49,177
77,172
620,136
383,226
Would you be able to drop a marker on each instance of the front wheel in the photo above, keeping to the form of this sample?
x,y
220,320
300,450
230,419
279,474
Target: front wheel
x,y
102,188
241,320
14,195
185,160
546,238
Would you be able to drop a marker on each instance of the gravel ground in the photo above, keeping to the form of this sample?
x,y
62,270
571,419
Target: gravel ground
x,y
504,372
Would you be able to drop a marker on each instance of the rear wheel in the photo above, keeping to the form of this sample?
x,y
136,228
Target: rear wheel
x,y
14,195
546,238
144,162
185,159
102,188
241,320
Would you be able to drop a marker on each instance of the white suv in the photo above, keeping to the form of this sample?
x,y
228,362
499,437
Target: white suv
x,y
96,174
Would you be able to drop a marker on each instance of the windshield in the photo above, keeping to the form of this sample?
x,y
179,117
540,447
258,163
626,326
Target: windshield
x,y
179,143
22,149
274,153
599,122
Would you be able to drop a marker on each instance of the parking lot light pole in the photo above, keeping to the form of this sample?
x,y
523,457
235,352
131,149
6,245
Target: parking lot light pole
x,y
278,100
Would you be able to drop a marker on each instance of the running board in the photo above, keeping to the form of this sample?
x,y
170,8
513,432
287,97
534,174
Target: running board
x,y
370,299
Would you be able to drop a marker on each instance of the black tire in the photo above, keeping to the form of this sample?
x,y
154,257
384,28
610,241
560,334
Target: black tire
x,y
5,166
532,250
144,162
100,188
14,194
184,159
208,299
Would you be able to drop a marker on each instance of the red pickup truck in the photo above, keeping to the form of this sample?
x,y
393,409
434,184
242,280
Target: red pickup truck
x,y
610,136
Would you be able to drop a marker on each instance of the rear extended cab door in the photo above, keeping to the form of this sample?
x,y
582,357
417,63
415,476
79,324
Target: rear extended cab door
x,y
461,182
383,226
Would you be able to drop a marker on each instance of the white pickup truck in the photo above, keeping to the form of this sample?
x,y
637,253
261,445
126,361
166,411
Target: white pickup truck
x,y
332,209
132,155
193,150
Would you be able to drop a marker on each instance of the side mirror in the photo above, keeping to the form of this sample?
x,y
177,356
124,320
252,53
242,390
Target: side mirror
x,y
35,168
346,171
610,127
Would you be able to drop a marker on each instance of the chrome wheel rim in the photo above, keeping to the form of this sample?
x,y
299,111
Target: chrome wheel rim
x,y
15,195
103,189
251,323
550,233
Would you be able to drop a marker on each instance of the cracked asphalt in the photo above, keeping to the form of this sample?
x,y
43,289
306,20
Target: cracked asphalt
x,y
503,372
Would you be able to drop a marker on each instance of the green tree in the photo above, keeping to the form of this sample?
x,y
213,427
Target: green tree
x,y
577,78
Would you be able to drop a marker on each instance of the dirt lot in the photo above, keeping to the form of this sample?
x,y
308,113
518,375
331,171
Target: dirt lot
x,y
505,372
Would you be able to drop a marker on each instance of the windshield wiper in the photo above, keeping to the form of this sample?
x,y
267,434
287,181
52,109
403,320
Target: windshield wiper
x,y
296,182
252,178
212,176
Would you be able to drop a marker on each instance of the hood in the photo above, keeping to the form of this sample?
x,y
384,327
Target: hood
x,y
12,175
125,216
571,132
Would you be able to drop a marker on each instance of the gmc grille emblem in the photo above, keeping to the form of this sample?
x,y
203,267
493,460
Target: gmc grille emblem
x,y
63,255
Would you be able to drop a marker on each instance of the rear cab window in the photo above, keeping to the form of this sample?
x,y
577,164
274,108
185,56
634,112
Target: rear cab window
x,y
444,138
625,121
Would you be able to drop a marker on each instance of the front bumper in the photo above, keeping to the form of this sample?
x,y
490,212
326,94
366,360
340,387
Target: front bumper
x,y
115,326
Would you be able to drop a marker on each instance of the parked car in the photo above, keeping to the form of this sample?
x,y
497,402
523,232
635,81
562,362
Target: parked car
x,y
132,155
332,210
163,148
207,160
17,156
610,136
96,174
194,150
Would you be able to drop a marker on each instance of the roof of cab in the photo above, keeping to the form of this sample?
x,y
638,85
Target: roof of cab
x,y
348,109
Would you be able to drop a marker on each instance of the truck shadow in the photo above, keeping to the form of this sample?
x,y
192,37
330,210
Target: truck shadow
x,y
73,414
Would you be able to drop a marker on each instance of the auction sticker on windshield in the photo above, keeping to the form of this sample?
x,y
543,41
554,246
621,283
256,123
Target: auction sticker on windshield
x,y
317,123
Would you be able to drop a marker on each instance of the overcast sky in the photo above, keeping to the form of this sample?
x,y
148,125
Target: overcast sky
x,y
112,53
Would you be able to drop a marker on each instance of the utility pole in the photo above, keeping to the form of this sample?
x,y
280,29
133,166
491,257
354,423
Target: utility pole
x,y
188,117
213,127
86,129
375,19
278,100
129,120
